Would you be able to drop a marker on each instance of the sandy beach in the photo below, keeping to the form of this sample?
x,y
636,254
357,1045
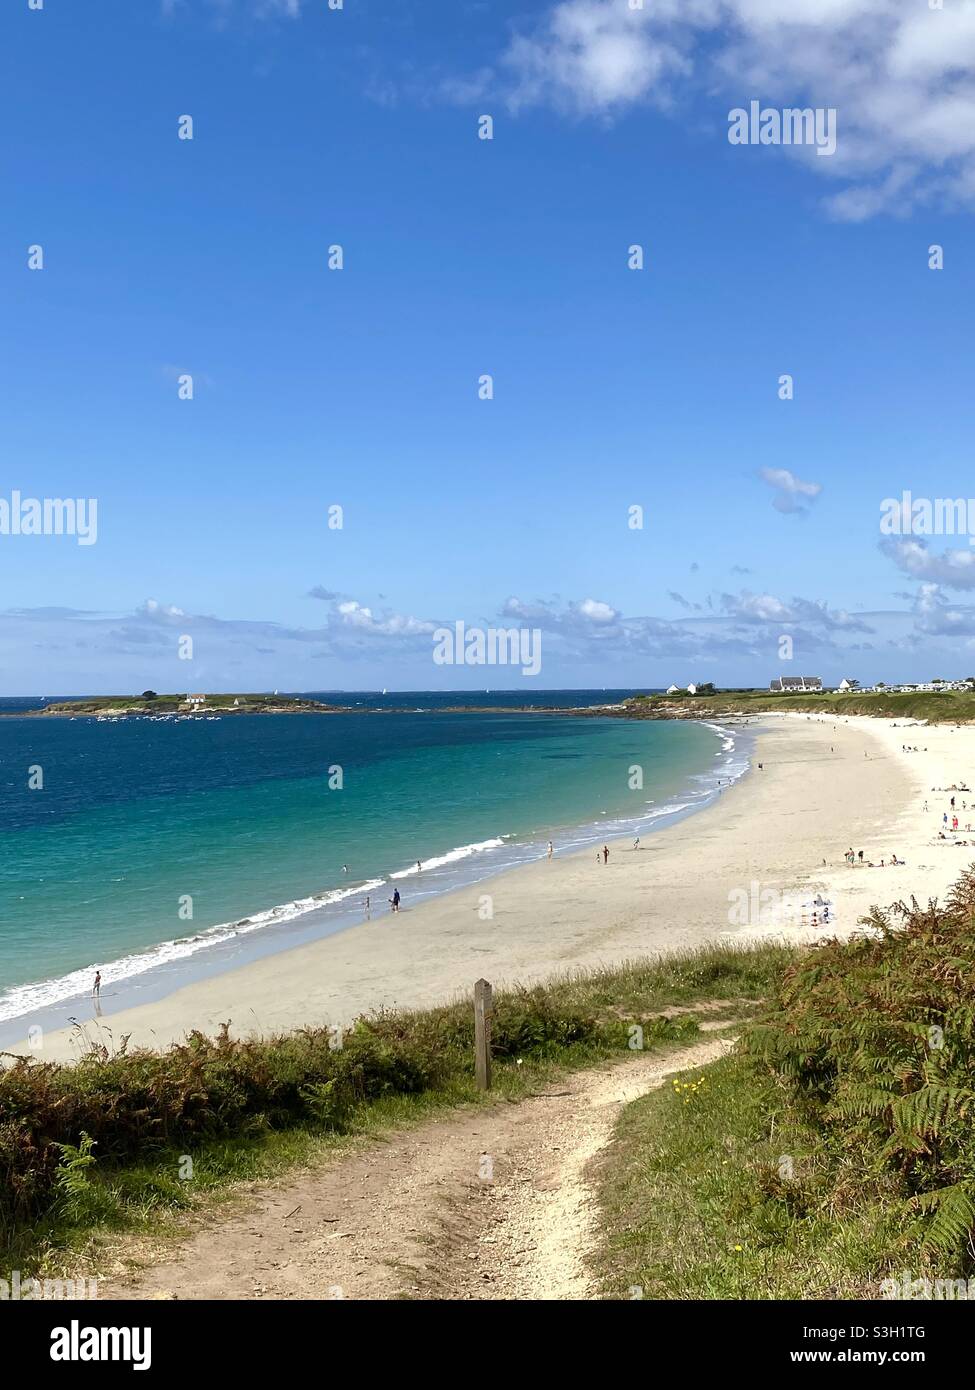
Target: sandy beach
x,y
779,836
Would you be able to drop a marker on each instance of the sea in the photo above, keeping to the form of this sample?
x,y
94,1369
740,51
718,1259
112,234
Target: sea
x,y
163,851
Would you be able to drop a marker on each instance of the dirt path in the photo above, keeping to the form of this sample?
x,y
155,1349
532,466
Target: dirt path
x,y
486,1204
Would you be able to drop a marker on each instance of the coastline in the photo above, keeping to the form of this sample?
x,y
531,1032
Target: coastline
x,y
458,850
773,829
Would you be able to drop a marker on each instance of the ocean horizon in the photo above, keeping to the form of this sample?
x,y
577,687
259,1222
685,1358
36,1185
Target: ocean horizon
x,y
272,831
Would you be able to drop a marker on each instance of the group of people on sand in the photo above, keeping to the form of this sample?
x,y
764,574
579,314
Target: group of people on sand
x,y
602,855
821,912
950,827
394,903
856,860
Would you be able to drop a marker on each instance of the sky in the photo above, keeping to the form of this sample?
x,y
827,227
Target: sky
x,y
361,387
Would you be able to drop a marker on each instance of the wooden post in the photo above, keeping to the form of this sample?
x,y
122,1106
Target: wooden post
x,y
482,1034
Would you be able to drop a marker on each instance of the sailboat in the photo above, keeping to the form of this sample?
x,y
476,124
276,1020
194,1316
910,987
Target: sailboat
x,y
384,690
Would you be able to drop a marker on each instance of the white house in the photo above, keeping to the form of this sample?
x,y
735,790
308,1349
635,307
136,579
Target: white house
x,y
673,690
195,702
795,684
848,683
692,690
932,687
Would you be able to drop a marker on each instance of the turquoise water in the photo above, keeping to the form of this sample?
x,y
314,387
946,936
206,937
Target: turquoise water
x,y
139,822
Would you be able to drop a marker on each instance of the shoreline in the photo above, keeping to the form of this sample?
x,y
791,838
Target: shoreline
x,y
150,973
825,784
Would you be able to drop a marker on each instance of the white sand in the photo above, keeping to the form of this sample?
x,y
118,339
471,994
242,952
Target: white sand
x,y
817,795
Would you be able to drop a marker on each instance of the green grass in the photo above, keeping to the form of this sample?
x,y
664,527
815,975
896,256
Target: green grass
x,y
695,1204
835,1150
953,706
250,1112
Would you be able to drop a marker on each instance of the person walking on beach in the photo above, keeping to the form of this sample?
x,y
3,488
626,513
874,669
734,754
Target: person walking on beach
x,y
551,849
636,843
96,988
394,900
861,856
605,854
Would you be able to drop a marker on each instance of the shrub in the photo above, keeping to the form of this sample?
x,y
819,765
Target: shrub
x,y
55,1120
874,1042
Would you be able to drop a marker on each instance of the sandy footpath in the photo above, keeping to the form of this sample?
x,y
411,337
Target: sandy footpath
x,y
415,1216
783,830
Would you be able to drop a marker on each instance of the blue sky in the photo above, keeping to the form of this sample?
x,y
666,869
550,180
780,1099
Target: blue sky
x,y
358,387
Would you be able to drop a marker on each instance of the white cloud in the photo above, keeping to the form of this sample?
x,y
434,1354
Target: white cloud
x,y
588,617
766,608
936,616
901,76
955,568
791,493
763,608
591,56
355,615
596,612
159,612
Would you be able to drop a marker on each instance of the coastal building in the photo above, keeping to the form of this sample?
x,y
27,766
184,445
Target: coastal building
x,y
848,683
673,690
692,689
932,687
193,702
795,684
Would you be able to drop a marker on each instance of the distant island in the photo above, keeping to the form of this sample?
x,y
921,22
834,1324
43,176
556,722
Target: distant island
x,y
189,706
938,702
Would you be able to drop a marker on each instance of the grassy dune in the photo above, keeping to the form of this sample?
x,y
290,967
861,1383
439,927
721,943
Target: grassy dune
x,y
835,1150
954,706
